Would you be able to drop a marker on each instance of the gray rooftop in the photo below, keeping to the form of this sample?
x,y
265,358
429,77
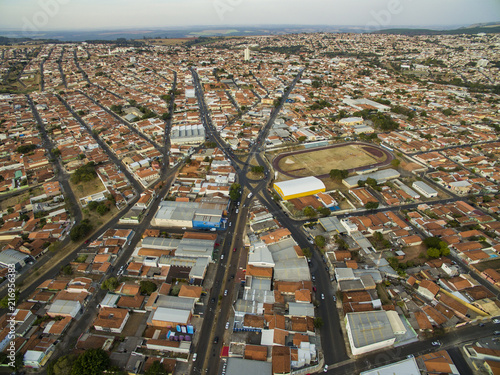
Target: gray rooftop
x,y
380,176
240,366
160,243
332,223
369,327
300,309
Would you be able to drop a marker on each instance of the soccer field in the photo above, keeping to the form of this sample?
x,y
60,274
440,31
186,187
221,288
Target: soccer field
x,y
320,162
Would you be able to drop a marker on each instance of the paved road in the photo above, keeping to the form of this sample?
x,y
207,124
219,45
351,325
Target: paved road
x,y
207,349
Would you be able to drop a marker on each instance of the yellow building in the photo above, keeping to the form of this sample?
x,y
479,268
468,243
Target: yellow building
x,y
299,187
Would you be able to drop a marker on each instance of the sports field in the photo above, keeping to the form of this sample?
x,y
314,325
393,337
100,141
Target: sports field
x,y
322,161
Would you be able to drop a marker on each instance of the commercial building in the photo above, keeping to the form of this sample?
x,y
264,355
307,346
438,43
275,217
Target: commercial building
x,y
299,187
371,330
64,308
199,215
424,189
13,257
407,366
380,176
187,134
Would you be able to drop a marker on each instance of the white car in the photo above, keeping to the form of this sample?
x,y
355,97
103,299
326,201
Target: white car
x,y
225,293
322,296
227,325
496,321
436,343
325,369
194,356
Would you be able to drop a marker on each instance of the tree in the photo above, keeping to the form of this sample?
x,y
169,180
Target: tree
x,y
156,368
110,284
318,322
307,252
309,211
371,182
147,287
320,241
4,302
395,163
361,183
302,138
81,230
371,205
338,174
102,209
235,192
324,211
84,173
67,270
432,252
62,366
91,362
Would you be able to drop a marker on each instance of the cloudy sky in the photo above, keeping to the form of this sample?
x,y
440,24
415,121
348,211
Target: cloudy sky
x,y
109,14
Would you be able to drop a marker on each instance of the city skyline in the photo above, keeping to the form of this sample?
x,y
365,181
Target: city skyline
x,y
90,15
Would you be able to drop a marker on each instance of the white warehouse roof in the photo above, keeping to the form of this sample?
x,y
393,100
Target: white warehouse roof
x,y
300,185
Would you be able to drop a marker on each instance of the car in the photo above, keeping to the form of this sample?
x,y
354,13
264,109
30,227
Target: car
x,y
216,339
435,343
496,321
184,228
227,325
222,257
496,333
234,249
481,324
225,293
237,210
322,296
325,369
87,241
314,288
194,357
334,299
230,223
212,300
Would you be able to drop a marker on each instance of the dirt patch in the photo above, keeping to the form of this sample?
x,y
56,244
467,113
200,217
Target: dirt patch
x,y
319,162
412,253
83,189
134,321
16,199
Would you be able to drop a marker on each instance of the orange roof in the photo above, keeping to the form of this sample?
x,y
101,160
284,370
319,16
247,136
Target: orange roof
x,y
110,317
303,295
430,286
266,272
422,320
190,291
438,362
256,352
281,360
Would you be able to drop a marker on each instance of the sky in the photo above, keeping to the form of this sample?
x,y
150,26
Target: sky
x,y
45,15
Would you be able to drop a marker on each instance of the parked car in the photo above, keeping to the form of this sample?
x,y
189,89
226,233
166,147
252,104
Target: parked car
x,y
436,343
322,296
194,356
216,339
227,325
496,321
225,293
